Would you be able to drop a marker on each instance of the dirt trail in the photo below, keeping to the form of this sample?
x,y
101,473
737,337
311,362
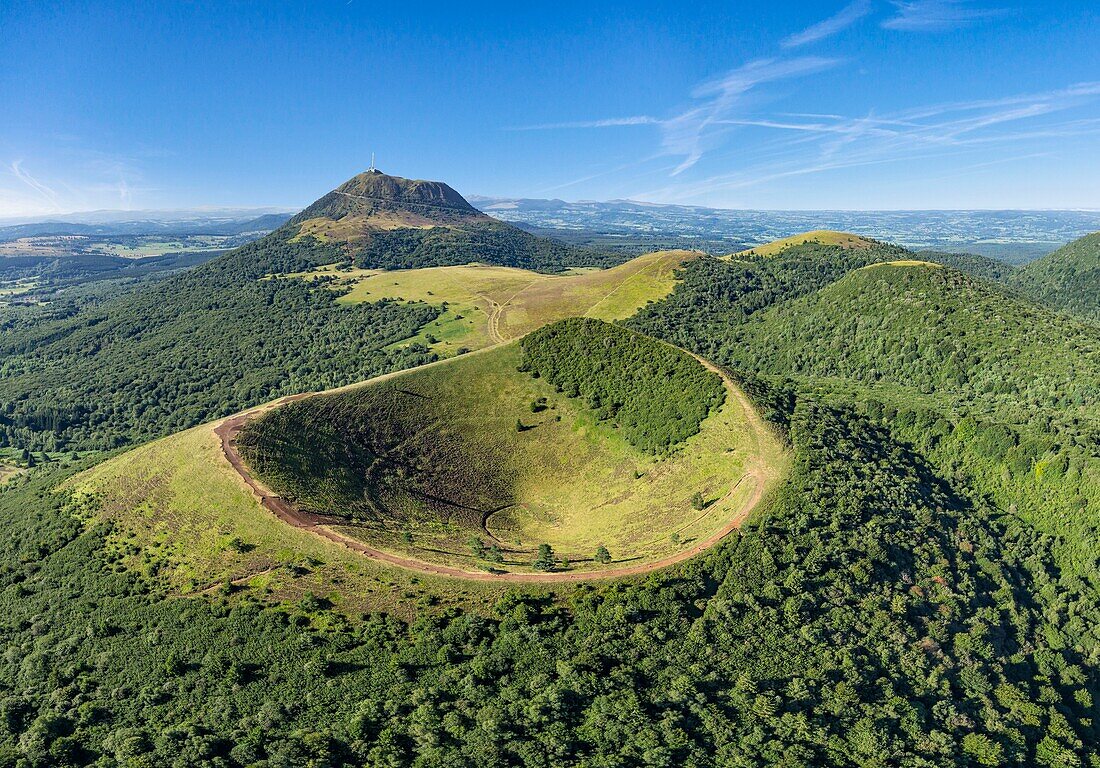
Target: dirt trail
x,y
228,430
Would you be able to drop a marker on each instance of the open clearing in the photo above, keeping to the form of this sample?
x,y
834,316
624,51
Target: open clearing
x,y
905,263
8,471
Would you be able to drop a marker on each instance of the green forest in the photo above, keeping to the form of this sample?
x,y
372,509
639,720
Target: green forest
x,y
876,615
491,242
656,394
921,591
1013,385
193,347
1066,279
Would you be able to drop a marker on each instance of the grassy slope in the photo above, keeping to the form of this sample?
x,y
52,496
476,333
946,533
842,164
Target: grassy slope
x,y
523,299
193,560
182,514
1068,279
574,482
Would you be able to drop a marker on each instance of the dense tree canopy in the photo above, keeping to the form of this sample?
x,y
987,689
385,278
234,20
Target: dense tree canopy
x,y
190,348
657,394
1066,279
921,591
877,615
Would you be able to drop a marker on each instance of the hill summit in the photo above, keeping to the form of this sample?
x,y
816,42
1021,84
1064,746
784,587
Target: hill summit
x,y
390,222
820,236
377,201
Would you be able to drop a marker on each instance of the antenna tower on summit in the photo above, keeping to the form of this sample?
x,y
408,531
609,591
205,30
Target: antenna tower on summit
x,y
372,169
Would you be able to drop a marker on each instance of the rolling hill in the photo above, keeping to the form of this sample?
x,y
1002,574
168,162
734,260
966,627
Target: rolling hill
x,y
1066,280
485,304
919,587
180,523
819,236
990,385
936,330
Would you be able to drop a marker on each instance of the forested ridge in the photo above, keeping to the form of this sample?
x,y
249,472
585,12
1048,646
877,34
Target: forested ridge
x,y
1010,386
489,242
656,394
225,335
206,343
1066,279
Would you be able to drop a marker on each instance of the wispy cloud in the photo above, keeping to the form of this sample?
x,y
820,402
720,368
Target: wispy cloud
x,y
610,122
692,132
999,129
845,18
936,15
91,179
776,146
46,192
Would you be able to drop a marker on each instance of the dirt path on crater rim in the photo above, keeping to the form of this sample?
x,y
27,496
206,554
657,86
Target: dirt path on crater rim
x,y
320,525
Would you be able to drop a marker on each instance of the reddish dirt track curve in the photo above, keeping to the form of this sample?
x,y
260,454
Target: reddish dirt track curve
x,y
318,525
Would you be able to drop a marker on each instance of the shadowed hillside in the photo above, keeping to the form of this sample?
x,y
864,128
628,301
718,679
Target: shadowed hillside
x,y
1067,280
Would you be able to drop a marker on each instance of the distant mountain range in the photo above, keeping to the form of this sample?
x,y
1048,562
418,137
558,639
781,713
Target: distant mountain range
x,y
122,223
1014,236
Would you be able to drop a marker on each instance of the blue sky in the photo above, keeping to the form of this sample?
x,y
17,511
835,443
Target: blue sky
x,y
868,104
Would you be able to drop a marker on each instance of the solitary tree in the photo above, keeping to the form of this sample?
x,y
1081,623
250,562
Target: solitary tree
x,y
602,555
495,555
545,560
697,501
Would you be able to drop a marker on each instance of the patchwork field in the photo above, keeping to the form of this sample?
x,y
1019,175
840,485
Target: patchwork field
x,y
444,463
